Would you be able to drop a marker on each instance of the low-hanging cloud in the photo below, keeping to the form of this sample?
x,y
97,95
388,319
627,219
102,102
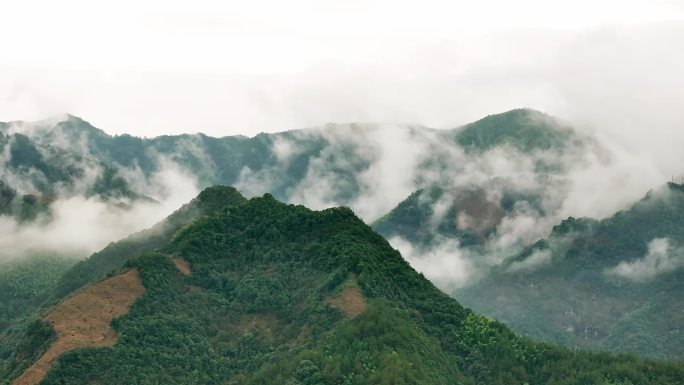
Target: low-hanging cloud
x,y
662,257
609,68
78,226
535,260
623,81
448,266
368,167
373,167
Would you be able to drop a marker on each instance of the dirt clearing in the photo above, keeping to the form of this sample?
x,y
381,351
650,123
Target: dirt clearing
x,y
183,266
350,301
83,320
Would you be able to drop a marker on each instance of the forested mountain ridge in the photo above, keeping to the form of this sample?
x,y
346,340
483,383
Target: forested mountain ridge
x,y
29,283
612,284
35,173
471,212
115,255
367,167
336,161
277,293
463,196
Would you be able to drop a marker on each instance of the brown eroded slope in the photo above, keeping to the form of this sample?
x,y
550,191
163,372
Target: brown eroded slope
x,y
183,266
350,301
84,320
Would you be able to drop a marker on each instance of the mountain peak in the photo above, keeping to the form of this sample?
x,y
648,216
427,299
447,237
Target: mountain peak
x,y
523,129
74,125
218,196
278,293
210,201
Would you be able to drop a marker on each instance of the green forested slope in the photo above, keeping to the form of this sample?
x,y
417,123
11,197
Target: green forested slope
x,y
26,283
574,294
267,302
116,254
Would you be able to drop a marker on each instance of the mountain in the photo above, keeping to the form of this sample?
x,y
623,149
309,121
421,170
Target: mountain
x,y
516,167
211,160
265,292
472,188
115,255
336,164
475,183
614,284
26,284
470,215
524,129
34,174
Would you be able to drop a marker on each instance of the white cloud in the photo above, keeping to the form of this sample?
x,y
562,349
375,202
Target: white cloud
x,y
284,149
80,226
271,36
225,68
660,258
532,262
448,266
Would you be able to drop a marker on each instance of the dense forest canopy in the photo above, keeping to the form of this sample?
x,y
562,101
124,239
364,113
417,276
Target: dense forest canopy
x,y
266,301
613,284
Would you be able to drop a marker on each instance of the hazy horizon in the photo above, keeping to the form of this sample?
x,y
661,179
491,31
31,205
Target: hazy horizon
x,y
56,118
169,68
608,68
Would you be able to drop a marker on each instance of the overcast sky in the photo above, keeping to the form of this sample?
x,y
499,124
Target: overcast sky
x,y
229,67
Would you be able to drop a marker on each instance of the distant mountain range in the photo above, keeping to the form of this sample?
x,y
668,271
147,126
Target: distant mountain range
x,y
486,195
515,164
332,165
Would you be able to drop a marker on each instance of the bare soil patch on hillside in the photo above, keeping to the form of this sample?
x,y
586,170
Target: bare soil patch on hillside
x,y
350,301
84,320
183,266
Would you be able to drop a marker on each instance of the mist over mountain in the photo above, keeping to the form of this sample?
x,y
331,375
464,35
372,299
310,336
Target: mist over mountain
x,y
463,206
612,284
368,167
261,292
57,196
527,170
342,192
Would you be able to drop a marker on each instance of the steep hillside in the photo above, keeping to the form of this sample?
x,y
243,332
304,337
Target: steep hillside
x,y
34,282
26,284
84,320
614,284
116,254
278,293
